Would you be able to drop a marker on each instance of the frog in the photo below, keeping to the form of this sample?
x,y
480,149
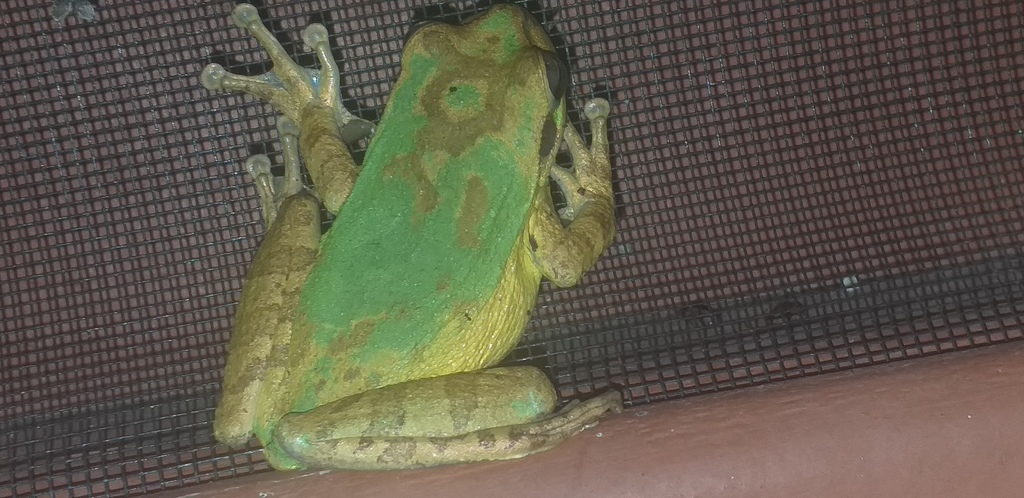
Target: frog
x,y
374,345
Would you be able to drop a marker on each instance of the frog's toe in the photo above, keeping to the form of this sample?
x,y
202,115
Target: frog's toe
x,y
314,35
258,166
291,184
594,407
212,77
327,84
245,15
287,126
577,417
596,109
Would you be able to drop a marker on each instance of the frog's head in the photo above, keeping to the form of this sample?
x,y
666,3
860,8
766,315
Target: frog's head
x,y
496,75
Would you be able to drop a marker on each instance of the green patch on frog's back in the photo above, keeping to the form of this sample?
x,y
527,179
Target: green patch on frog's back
x,y
429,227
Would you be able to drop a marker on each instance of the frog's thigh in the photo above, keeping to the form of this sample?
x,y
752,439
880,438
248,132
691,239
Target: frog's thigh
x,y
494,414
261,330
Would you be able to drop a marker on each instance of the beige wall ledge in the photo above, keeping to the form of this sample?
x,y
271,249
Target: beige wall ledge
x,y
949,425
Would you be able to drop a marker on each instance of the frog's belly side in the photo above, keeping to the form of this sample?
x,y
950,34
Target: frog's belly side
x,y
379,351
484,334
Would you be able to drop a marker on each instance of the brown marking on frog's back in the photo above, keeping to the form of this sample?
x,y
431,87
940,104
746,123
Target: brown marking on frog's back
x,y
413,170
352,373
471,213
345,344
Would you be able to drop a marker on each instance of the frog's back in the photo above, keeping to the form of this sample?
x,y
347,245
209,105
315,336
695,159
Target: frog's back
x,y
426,237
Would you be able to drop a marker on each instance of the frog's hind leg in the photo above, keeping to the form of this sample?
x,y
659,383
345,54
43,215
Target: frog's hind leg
x,y
499,443
260,336
495,414
309,97
563,251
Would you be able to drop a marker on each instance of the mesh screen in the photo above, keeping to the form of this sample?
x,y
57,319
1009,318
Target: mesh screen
x,y
802,187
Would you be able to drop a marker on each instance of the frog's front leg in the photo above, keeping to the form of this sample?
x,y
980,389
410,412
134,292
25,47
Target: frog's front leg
x,y
310,98
563,253
258,349
495,414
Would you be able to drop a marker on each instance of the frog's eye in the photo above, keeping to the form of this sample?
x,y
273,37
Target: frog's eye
x,y
558,75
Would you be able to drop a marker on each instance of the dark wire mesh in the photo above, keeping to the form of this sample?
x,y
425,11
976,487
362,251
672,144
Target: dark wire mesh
x,y
803,187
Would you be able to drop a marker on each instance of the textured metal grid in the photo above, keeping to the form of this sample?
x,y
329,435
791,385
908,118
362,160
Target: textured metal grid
x,y
803,187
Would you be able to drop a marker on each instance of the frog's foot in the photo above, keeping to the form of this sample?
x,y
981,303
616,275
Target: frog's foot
x,y
576,417
409,452
274,190
309,97
567,243
591,172
288,86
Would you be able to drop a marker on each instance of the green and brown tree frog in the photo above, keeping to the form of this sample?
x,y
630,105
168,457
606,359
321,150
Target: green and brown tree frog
x,y
373,346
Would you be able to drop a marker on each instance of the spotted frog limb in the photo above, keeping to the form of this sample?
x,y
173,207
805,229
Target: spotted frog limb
x,y
373,346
